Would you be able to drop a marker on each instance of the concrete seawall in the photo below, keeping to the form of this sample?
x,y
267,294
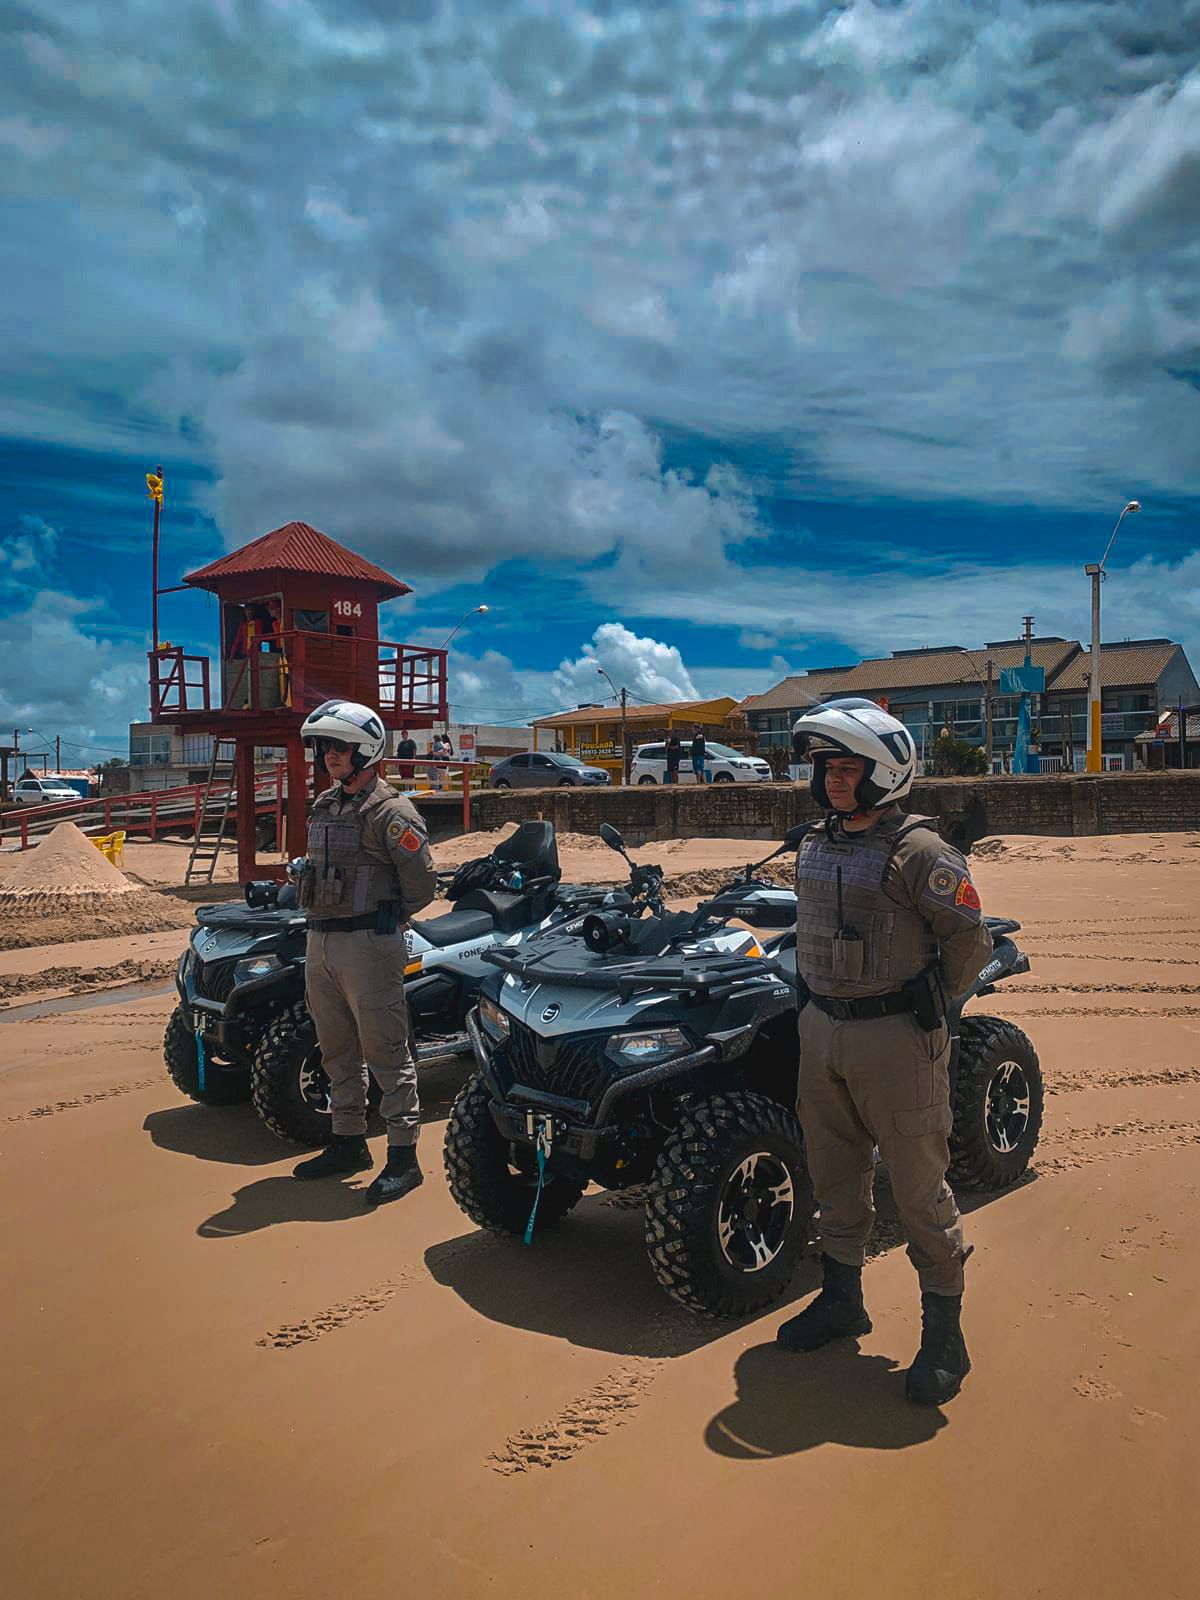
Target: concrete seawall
x,y
967,809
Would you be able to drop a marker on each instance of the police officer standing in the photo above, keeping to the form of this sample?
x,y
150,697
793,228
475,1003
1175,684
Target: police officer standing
x,y
889,928
368,871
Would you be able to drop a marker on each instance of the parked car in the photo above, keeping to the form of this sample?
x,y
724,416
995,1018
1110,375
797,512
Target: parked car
x,y
43,792
727,766
544,769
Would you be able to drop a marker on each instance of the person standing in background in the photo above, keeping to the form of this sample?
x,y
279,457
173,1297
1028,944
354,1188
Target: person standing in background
x,y
674,757
699,755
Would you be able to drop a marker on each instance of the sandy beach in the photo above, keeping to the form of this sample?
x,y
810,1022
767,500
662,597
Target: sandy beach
x,y
221,1381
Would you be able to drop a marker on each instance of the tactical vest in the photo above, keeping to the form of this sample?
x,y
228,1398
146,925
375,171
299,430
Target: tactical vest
x,y
348,879
893,942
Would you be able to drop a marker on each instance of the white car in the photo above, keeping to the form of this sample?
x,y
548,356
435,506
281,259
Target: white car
x,y
43,792
649,765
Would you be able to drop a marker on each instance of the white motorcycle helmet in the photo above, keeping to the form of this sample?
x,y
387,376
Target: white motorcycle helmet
x,y
350,723
857,728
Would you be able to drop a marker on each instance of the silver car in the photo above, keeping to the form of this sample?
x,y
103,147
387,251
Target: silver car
x,y
544,769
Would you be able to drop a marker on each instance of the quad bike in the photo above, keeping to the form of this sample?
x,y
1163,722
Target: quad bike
x,y
644,1050
242,1031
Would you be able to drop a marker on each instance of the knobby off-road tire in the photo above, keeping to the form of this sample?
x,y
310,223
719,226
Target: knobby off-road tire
x,y
223,1086
726,1149
483,1181
998,1101
288,1083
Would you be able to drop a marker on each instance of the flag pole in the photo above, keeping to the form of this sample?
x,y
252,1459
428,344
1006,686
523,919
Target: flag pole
x,y
155,487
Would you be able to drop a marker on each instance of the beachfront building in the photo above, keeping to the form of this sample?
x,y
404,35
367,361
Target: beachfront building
x,y
593,732
948,687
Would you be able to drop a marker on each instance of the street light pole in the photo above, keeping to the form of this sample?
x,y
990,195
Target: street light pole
x,y
1095,571
623,696
474,612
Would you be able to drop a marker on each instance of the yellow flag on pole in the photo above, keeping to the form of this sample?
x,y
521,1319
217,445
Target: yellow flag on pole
x,y
154,486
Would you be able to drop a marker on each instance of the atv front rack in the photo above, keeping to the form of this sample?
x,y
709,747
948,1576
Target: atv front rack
x,y
708,977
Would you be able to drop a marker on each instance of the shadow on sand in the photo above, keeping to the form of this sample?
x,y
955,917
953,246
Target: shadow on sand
x,y
234,1134
588,1282
269,1201
788,1403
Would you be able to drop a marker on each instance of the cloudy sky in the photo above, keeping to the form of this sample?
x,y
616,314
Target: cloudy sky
x,y
703,340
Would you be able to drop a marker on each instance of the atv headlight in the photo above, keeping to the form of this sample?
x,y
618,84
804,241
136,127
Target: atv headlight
x,y
647,1049
255,967
494,1020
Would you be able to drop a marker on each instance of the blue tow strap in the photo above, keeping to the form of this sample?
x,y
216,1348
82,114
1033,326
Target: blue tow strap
x,y
541,1161
200,1063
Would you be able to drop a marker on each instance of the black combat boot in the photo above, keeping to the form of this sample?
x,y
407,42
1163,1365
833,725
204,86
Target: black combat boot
x,y
837,1312
942,1361
346,1152
399,1176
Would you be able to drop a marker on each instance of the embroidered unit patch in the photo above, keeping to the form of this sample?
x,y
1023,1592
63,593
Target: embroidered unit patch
x,y
405,836
943,880
967,895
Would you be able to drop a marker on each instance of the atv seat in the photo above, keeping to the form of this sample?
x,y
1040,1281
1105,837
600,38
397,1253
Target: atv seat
x,y
456,927
532,847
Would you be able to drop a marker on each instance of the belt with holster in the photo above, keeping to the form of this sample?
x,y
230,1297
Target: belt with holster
x,y
866,1008
384,919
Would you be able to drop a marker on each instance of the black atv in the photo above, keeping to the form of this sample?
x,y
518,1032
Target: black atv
x,y
651,1051
242,1030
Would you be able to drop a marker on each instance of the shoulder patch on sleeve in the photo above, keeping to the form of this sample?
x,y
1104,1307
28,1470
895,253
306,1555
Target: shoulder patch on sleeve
x,y
943,880
403,833
967,895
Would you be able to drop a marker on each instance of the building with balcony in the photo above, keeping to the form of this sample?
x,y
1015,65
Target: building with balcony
x,y
948,688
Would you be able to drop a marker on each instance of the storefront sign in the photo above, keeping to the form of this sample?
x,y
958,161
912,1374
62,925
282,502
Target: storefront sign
x,y
598,752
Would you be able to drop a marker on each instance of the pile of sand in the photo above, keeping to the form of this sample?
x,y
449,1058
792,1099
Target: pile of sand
x,y
65,889
66,862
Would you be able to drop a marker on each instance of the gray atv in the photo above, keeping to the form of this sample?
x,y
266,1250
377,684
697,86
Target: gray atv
x,y
658,1050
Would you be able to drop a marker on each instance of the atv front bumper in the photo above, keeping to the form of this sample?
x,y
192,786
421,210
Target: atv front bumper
x,y
578,1128
221,1024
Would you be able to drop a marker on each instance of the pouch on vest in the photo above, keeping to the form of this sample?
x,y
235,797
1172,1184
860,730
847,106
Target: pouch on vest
x,y
305,881
330,888
848,951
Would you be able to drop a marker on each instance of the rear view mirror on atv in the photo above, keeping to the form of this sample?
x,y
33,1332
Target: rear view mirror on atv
x,y
793,836
612,837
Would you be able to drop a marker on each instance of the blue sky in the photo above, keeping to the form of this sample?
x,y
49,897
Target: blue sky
x,y
707,341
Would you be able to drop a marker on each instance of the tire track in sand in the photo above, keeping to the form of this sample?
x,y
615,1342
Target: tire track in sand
x,y
290,1334
609,1404
87,1099
1082,1082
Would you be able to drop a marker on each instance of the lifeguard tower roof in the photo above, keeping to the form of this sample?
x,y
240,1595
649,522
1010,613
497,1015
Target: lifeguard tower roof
x,y
297,547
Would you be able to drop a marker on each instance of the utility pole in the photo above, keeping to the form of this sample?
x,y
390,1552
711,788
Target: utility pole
x,y
624,740
58,752
987,714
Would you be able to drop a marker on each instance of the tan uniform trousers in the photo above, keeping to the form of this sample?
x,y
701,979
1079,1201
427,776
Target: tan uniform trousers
x,y
881,1082
355,987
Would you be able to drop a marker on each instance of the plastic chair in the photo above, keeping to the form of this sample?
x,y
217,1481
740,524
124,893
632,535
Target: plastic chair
x,y
111,846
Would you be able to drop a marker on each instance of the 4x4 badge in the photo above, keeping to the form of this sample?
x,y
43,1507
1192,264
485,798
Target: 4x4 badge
x,y
549,1014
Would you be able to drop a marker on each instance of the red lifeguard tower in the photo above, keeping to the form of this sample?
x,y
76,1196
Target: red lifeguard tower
x,y
299,625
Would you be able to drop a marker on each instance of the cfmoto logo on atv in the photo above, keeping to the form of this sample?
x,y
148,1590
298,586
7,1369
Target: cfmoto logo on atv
x,y
549,1014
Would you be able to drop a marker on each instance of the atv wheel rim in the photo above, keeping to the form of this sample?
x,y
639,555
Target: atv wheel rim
x,y
314,1087
755,1212
1006,1112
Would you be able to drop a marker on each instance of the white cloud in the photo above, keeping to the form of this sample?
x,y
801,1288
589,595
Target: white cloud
x,y
72,682
649,670
29,549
